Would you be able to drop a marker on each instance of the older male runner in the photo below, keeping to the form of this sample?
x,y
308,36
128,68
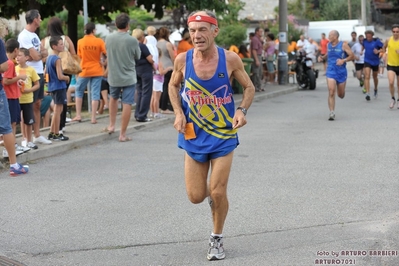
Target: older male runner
x,y
338,53
207,119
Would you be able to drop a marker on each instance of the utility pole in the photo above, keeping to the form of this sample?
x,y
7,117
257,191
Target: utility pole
x,y
364,13
282,61
349,10
85,12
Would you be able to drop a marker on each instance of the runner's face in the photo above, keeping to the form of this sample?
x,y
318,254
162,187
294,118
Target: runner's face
x,y
395,32
202,34
369,36
332,37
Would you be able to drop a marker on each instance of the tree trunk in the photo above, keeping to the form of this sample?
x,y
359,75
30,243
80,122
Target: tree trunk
x,y
349,10
73,26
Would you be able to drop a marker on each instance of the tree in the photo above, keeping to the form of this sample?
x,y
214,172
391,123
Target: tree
x,y
98,10
315,10
338,9
191,5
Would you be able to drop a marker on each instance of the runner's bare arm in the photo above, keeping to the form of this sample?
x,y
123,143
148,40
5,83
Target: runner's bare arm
x,y
348,51
236,68
384,48
174,88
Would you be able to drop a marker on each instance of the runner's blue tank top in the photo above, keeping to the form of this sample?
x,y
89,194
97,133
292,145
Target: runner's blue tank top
x,y
209,105
334,53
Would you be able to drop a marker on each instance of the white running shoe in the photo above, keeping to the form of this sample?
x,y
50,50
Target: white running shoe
x,y
392,104
41,140
332,116
32,145
216,250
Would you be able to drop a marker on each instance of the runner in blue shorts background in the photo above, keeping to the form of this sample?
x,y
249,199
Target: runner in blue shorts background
x,y
338,53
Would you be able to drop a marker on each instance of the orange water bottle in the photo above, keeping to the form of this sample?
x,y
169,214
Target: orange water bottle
x,y
22,86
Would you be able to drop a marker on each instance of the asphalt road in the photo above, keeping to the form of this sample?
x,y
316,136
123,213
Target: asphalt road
x,y
302,189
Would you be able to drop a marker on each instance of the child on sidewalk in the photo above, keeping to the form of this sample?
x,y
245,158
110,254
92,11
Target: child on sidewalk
x,y
26,99
57,85
5,121
10,82
157,86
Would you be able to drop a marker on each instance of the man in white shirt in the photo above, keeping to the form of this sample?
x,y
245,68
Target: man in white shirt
x,y
28,39
301,42
311,50
357,49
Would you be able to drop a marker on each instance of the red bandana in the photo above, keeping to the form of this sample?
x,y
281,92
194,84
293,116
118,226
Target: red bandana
x,y
202,18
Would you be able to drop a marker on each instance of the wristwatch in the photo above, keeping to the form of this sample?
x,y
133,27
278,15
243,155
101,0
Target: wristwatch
x,y
242,110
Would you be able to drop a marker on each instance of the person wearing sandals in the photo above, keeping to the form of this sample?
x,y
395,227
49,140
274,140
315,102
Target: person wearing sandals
x,y
122,50
168,57
90,50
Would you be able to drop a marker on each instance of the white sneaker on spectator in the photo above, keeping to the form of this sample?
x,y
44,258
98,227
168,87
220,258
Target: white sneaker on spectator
x,y
32,145
41,140
5,153
20,148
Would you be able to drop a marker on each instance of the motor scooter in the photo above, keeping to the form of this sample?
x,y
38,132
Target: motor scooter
x,y
305,74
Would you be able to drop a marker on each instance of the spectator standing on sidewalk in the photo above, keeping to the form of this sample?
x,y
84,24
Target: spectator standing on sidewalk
x,y
90,50
144,72
54,28
391,47
270,51
5,120
57,86
157,87
372,48
256,54
122,50
338,54
151,43
12,83
28,86
168,58
185,44
28,39
207,119
323,50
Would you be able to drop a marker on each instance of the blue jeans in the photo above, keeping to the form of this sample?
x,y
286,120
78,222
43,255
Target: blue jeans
x,y
95,87
143,95
127,93
5,119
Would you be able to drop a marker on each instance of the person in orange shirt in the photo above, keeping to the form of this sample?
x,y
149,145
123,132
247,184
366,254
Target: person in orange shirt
x,y
243,52
185,44
323,49
90,50
233,48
